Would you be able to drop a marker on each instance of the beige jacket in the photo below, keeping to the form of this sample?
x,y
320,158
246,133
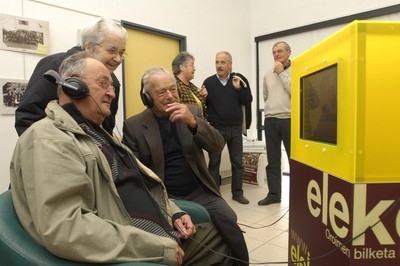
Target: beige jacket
x,y
66,200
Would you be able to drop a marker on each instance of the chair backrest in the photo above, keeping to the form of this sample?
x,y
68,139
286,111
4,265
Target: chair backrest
x,y
18,248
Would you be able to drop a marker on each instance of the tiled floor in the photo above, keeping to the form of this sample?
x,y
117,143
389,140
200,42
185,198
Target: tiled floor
x,y
266,243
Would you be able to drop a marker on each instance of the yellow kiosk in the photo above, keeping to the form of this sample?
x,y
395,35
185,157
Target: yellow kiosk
x,y
345,162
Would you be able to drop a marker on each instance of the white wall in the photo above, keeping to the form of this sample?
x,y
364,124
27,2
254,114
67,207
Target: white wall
x,y
209,25
274,16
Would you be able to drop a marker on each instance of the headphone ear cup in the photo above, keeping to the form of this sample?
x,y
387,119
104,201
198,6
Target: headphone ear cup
x,y
147,100
77,89
145,96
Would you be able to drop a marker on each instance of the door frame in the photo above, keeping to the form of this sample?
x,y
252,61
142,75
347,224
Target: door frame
x,y
158,32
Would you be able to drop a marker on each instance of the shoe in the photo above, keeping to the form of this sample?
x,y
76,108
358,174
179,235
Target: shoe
x,y
268,200
241,199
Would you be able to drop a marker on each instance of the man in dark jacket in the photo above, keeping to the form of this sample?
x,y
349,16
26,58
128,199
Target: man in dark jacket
x,y
228,92
169,137
105,40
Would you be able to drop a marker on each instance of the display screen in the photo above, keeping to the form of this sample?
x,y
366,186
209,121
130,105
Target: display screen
x,y
318,120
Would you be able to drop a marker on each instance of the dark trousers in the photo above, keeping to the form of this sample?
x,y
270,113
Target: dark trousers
x,y
276,132
234,140
225,221
197,255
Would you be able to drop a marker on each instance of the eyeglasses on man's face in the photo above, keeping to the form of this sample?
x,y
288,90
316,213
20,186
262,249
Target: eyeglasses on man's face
x,y
279,51
105,84
102,82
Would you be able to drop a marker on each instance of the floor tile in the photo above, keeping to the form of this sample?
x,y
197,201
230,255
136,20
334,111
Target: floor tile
x,y
265,227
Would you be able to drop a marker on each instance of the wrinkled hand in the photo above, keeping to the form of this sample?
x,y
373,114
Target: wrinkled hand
x,y
179,111
184,226
203,91
236,82
278,67
179,255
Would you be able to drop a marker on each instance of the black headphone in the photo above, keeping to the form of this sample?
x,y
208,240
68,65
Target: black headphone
x,y
74,88
145,96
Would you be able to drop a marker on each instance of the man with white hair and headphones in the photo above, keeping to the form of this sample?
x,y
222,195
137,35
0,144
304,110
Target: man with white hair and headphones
x,y
169,138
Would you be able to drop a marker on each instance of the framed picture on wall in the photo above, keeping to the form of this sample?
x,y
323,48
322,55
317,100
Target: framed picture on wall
x,y
11,94
24,35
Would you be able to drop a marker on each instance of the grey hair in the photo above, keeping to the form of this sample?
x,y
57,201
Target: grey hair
x,y
181,59
95,31
228,54
150,72
287,47
74,65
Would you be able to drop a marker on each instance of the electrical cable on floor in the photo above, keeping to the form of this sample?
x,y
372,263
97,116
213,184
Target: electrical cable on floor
x,y
264,226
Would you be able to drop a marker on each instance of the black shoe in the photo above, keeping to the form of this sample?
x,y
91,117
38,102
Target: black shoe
x,y
268,200
241,199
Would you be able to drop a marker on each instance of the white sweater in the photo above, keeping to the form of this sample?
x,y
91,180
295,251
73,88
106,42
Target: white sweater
x,y
277,94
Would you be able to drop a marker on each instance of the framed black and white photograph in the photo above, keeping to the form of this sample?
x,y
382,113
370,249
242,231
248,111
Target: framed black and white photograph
x,y
24,34
11,94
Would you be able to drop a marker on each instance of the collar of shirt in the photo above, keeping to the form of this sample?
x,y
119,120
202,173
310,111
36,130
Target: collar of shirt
x,y
224,81
287,65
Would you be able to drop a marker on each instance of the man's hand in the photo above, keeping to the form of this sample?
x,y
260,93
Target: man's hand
x,y
180,111
278,67
179,255
203,91
184,226
236,81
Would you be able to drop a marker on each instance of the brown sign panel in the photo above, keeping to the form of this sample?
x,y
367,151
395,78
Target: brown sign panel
x,y
335,222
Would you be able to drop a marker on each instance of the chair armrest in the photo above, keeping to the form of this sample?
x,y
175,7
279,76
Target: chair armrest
x,y
197,212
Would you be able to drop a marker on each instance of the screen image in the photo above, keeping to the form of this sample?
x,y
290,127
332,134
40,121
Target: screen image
x,y
318,107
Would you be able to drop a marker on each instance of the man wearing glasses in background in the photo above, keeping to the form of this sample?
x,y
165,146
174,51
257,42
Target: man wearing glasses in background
x,y
277,112
105,40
